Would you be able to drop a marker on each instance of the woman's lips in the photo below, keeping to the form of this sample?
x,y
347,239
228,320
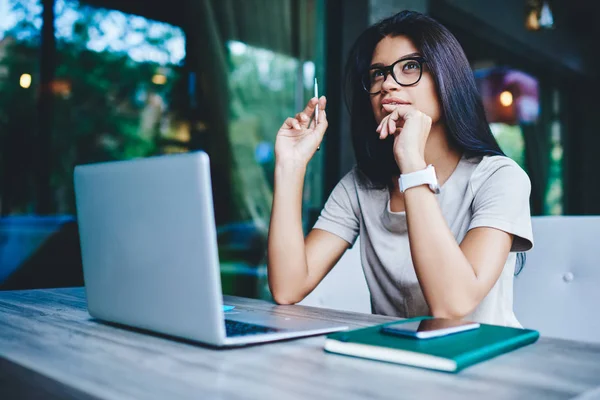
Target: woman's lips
x,y
389,107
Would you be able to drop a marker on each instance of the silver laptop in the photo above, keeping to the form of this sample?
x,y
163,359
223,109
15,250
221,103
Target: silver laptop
x,y
150,257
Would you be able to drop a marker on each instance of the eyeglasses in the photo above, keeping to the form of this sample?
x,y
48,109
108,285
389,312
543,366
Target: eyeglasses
x,y
406,72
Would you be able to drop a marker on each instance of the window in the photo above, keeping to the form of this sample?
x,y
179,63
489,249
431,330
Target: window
x,y
512,102
510,99
554,195
115,90
267,83
19,83
112,93
123,85
510,139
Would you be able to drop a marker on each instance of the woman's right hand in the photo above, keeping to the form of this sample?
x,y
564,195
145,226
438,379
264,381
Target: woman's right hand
x,y
296,141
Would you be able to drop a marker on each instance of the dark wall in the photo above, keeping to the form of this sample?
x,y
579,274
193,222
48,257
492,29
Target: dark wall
x,y
345,21
560,46
582,143
564,59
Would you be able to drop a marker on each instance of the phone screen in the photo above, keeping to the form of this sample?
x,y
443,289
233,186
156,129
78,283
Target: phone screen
x,y
430,327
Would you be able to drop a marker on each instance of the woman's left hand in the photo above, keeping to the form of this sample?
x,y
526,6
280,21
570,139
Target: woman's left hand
x,y
410,128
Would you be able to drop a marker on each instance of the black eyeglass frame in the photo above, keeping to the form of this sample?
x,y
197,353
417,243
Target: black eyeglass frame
x,y
389,70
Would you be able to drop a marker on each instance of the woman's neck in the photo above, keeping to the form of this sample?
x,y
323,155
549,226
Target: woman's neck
x,y
440,153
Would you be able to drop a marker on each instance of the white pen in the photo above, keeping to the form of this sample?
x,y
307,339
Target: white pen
x,y
317,107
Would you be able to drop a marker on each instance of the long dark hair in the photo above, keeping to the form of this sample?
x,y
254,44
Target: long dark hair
x,y
462,110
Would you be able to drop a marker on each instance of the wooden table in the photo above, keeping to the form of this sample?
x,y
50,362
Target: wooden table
x,y
51,347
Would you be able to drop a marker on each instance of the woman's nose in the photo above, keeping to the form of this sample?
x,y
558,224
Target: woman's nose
x,y
389,83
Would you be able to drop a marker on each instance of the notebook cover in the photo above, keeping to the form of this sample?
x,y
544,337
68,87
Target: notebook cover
x,y
464,348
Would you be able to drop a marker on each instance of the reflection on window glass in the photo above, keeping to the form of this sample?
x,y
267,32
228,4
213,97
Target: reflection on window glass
x,y
251,67
115,86
123,86
510,139
263,94
265,88
554,193
511,101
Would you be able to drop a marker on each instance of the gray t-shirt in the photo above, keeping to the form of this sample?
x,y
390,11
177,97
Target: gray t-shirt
x,y
492,191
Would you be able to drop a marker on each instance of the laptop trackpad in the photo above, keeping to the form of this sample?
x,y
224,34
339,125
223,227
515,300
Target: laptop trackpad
x,y
278,322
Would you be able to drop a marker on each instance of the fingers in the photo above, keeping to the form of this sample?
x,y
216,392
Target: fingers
x,y
394,121
391,125
386,125
303,119
310,107
383,127
322,103
305,116
322,123
296,125
291,123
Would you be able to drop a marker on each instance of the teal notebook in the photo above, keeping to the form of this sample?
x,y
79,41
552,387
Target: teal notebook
x,y
447,353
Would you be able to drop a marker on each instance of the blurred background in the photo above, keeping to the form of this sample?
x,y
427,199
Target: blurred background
x,y
84,81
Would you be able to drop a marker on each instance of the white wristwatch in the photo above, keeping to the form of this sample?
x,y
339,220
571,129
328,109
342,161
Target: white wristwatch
x,y
424,177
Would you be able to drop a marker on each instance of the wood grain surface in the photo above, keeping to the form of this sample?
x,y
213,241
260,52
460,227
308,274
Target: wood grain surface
x,y
50,344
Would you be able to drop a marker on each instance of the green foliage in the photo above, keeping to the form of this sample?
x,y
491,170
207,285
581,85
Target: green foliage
x,y
105,106
264,84
554,194
510,139
262,89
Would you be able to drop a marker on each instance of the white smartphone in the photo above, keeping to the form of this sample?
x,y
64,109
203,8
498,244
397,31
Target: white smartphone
x,y
429,328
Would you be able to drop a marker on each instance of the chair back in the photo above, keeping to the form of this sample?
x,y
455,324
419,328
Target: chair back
x,y
558,290
345,287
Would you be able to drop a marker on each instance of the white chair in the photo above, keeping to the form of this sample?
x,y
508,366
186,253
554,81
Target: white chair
x,y
345,287
558,290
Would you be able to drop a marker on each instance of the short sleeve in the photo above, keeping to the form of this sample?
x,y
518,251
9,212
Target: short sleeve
x,y
501,192
340,215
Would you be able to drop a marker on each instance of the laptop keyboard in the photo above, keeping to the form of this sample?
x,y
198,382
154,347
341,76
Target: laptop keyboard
x,y
235,328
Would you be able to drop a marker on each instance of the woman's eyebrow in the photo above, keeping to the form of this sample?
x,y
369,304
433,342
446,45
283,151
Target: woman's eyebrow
x,y
417,54
380,65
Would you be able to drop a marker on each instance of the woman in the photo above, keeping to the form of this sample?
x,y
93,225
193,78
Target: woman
x,y
418,125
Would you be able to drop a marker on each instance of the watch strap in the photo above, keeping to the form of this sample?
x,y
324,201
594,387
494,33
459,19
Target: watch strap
x,y
423,177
